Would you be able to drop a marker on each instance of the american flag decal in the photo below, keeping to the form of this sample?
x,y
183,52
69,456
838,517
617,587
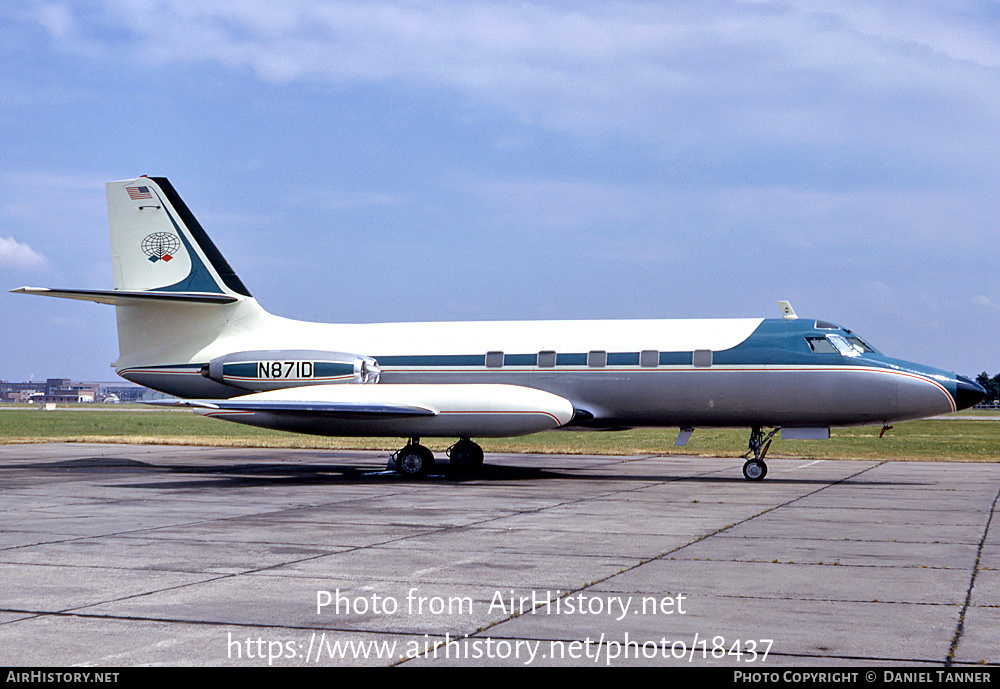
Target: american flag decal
x,y
138,193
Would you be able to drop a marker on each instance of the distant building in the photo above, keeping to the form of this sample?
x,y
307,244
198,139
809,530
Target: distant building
x,y
63,390
66,391
20,392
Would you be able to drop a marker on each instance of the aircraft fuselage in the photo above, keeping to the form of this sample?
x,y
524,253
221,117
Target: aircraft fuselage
x,y
671,373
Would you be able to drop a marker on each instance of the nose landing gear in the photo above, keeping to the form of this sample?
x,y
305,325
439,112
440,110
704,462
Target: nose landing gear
x,y
755,469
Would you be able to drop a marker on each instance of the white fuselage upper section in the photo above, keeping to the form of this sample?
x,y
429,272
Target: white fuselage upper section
x,y
260,330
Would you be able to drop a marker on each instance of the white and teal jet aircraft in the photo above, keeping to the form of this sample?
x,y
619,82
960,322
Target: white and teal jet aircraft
x,y
188,326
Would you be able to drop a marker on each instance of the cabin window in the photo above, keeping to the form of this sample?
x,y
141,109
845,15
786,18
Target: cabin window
x,y
701,358
649,358
546,359
494,359
597,359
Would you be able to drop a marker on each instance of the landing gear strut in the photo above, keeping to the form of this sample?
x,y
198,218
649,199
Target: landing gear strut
x,y
755,469
414,460
466,456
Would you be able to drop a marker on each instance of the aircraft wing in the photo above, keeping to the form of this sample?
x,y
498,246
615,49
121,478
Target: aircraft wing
x,y
414,410
313,407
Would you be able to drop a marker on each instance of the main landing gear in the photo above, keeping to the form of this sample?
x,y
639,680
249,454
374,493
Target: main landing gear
x,y
755,469
466,456
416,461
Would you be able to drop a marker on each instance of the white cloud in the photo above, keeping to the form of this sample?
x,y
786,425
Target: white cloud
x,y
14,254
56,18
724,72
984,302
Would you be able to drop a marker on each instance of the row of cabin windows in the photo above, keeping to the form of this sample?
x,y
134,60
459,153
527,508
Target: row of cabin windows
x,y
647,358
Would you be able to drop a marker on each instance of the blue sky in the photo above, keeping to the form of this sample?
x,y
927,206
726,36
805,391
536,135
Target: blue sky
x,y
362,162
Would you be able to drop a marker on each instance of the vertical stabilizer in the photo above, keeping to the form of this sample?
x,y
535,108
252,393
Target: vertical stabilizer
x,y
158,245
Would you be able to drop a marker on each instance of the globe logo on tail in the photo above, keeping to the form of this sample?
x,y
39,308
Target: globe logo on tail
x,y
160,246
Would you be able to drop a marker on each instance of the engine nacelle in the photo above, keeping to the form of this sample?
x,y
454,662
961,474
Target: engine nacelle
x,y
286,368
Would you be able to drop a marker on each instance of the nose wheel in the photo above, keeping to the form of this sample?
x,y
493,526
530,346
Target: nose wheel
x,y
754,470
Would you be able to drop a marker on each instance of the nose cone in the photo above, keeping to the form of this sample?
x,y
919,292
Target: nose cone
x,y
968,393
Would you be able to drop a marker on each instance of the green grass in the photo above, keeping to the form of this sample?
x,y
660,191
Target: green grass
x,y
932,439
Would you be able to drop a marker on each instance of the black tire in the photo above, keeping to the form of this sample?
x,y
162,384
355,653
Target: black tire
x,y
414,461
754,470
466,456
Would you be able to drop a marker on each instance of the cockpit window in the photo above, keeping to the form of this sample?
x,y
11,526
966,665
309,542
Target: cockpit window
x,y
842,345
821,345
861,345
824,325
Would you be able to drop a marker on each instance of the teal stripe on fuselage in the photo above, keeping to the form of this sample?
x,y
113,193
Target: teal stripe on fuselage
x,y
433,360
623,358
520,360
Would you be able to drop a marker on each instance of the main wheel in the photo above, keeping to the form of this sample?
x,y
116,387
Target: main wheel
x,y
414,461
466,456
754,470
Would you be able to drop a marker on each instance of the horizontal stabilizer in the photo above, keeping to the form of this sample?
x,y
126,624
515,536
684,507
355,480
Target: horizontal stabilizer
x,y
116,296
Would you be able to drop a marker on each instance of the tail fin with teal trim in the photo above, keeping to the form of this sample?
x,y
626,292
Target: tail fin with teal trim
x,y
158,245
